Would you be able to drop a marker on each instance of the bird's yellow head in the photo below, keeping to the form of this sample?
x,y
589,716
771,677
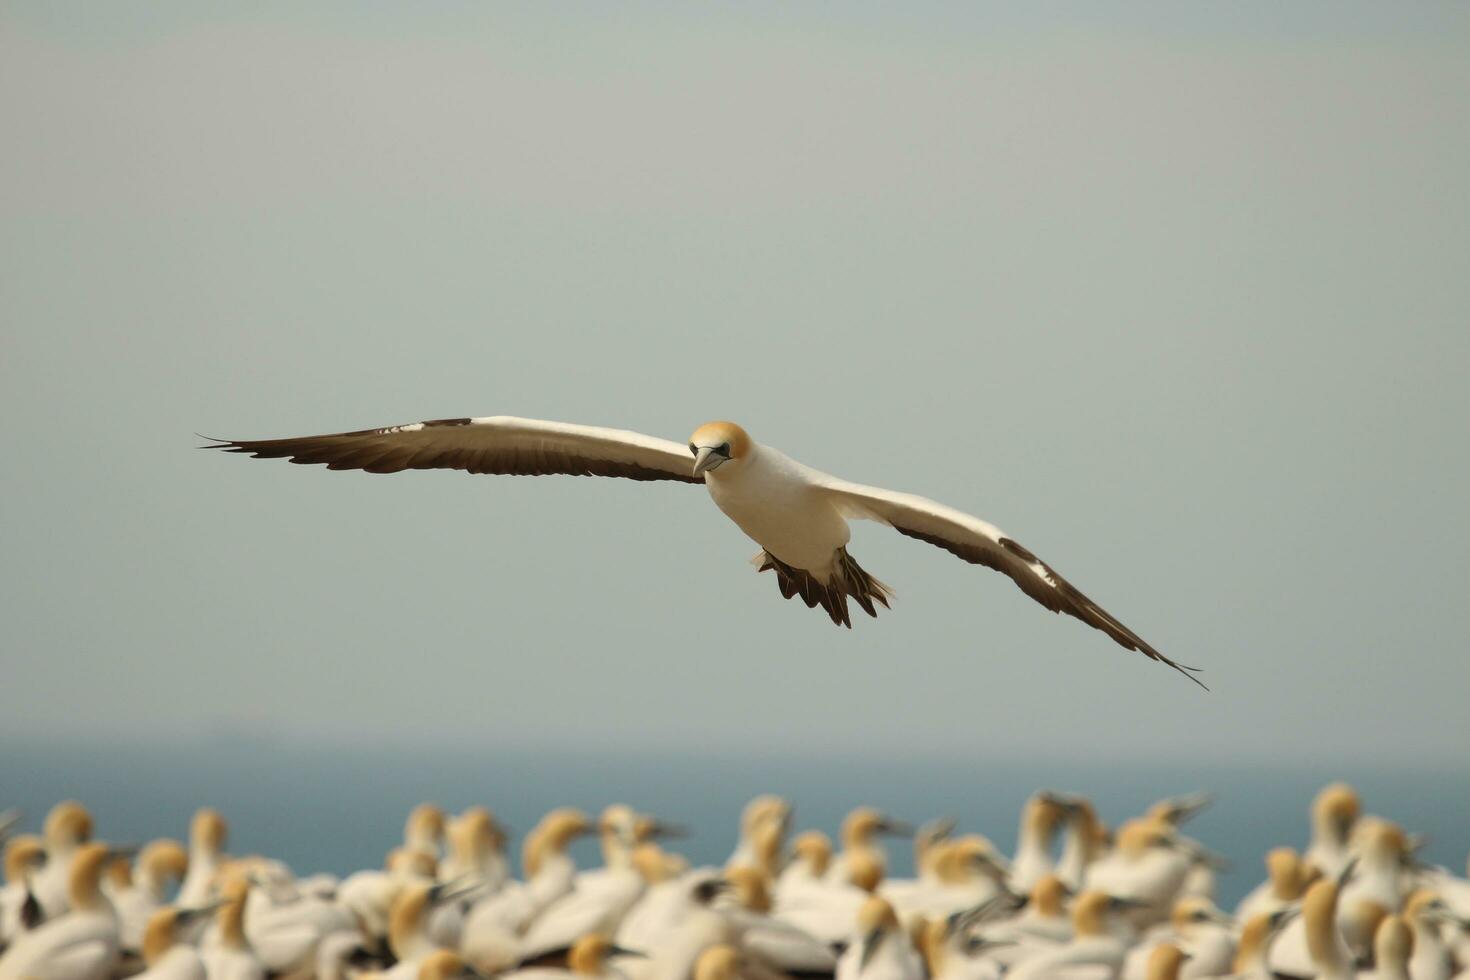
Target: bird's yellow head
x,y
68,823
208,832
717,444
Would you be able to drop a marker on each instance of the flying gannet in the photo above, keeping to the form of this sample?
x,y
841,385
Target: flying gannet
x,y
797,515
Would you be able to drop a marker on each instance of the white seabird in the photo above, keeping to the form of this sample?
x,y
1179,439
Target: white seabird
x,y
797,515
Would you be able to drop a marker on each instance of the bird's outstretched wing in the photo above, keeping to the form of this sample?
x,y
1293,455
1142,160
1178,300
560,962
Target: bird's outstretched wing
x,y
984,544
498,444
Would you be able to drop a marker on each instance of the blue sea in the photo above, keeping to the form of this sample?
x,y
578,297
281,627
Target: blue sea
x,y
339,809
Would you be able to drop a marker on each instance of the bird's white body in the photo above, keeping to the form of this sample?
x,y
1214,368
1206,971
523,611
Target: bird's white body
x,y
778,504
228,963
179,963
76,945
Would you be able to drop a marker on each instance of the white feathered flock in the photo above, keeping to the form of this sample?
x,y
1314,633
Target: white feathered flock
x,y
1076,901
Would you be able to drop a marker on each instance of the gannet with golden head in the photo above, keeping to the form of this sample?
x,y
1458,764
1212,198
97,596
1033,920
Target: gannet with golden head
x,y
476,849
1283,887
1426,914
226,952
811,856
798,515
1041,818
860,832
764,822
1316,935
1098,923
1199,929
20,911
165,953
160,866
880,949
492,930
1147,864
68,826
208,834
369,894
1335,813
79,944
1253,951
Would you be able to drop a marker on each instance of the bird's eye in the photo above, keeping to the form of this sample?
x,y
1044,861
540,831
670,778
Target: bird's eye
x,y
723,449
693,449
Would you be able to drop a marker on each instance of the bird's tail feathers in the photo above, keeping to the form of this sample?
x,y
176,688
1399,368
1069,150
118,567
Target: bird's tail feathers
x,y
848,579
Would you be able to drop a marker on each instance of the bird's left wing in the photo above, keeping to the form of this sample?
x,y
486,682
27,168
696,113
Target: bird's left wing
x,y
498,444
985,544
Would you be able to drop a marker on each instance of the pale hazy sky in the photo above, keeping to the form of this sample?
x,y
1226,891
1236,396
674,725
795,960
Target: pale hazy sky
x,y
1177,294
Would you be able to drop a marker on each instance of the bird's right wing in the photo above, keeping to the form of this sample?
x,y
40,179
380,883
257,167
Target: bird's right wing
x,y
497,444
982,543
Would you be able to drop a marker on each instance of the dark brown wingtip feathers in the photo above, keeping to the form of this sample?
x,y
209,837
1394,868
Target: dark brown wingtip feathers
x,y
849,580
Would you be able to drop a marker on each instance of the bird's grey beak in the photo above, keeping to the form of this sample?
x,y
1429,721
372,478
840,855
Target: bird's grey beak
x,y
200,911
659,830
706,459
870,946
895,828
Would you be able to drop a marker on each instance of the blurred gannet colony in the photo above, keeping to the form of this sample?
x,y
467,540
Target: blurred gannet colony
x,y
1077,901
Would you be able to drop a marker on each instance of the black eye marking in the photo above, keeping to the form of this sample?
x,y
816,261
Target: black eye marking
x,y
723,449
693,449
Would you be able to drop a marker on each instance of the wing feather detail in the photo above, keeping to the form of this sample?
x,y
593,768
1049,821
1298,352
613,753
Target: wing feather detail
x,y
499,445
980,543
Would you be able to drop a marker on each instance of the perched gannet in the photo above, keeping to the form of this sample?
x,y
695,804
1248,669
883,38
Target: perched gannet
x,y
284,925
1335,812
969,871
860,831
423,830
1148,865
811,857
1043,924
796,514
880,949
1097,925
1328,956
160,866
476,849
164,955
78,944
598,909
1084,841
762,819
1393,943
1382,852
768,940
1253,951
369,894
699,925
827,909
662,903
491,936
1197,927
208,834
1283,887
950,951
408,926
1041,817
931,842
227,954
68,827
19,909
1425,913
